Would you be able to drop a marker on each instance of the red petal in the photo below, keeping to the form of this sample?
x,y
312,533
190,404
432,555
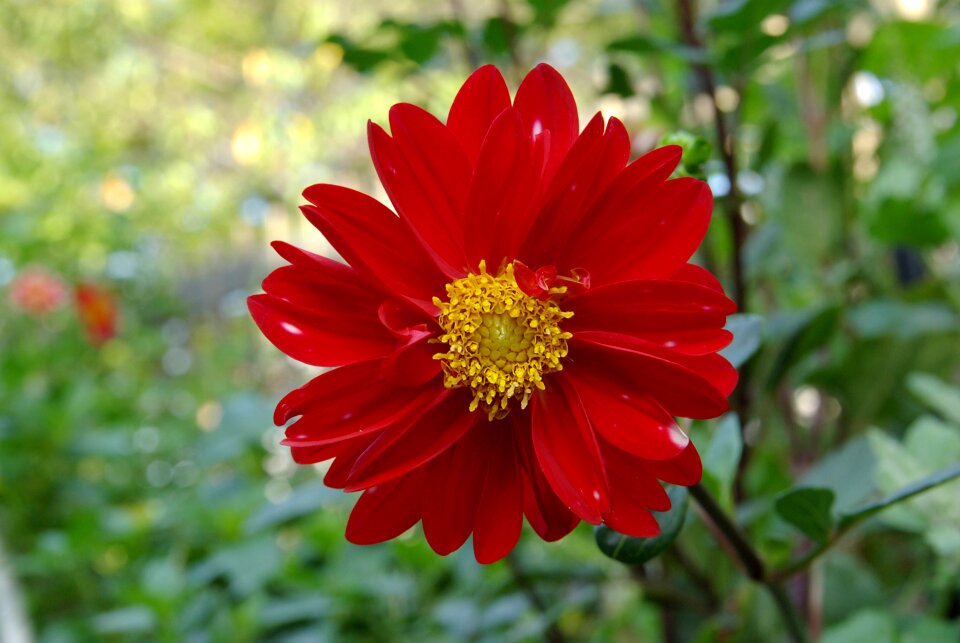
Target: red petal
x,y
650,237
685,469
697,275
313,455
593,161
455,482
359,411
374,241
567,451
503,190
328,387
327,338
335,270
547,104
349,451
711,367
386,511
415,174
634,423
545,512
499,517
631,480
676,381
632,519
413,364
406,447
478,103
338,292
675,315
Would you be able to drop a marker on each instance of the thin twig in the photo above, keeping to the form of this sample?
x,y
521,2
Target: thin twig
x,y
520,577
728,150
733,203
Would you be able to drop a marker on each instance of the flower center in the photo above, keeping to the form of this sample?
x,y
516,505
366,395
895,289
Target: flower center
x,y
500,341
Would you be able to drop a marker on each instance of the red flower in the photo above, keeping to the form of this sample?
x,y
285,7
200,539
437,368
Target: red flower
x,y
517,339
98,312
37,291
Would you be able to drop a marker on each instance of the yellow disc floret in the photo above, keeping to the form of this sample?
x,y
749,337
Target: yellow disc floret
x,y
500,341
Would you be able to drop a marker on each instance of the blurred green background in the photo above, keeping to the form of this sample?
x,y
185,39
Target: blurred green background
x,y
154,148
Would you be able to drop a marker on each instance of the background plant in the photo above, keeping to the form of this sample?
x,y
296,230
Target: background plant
x,y
154,147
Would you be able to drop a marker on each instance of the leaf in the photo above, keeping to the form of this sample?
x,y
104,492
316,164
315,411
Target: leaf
x,y
924,484
812,331
865,625
642,45
937,394
886,318
747,332
722,457
808,509
848,471
636,551
903,221
618,81
545,12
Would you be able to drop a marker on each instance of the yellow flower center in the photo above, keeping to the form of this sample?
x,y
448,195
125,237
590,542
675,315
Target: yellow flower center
x,y
500,341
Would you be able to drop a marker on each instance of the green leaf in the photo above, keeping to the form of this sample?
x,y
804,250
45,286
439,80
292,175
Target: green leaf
x,y
618,81
886,318
808,509
866,625
924,484
811,331
903,221
722,457
545,12
495,36
848,471
937,394
643,45
636,551
747,335
696,151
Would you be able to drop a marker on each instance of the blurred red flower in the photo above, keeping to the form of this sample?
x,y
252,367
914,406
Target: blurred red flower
x,y
98,312
37,291
518,340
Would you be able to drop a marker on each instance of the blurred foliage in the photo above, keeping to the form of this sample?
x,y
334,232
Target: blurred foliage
x,y
155,146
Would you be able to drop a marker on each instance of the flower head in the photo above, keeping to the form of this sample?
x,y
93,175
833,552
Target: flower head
x,y
97,309
517,339
37,291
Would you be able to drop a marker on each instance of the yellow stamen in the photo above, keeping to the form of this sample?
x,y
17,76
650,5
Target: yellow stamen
x,y
500,342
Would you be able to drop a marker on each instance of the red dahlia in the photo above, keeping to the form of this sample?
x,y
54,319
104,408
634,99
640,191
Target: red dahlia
x,y
517,339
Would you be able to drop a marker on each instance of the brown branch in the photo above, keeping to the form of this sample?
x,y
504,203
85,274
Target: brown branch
x,y
733,203
727,147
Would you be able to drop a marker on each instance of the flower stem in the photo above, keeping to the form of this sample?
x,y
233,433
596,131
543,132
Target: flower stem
x,y
750,560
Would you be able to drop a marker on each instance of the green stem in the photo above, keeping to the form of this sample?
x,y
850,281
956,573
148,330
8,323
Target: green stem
x,y
751,561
